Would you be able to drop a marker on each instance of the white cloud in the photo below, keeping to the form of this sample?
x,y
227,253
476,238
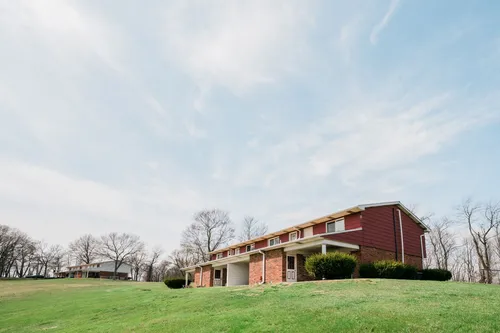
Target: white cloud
x,y
236,44
377,29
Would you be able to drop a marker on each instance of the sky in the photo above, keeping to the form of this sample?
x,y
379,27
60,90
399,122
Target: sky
x,y
131,117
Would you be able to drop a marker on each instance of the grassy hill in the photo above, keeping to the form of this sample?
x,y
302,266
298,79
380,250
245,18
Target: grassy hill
x,y
340,306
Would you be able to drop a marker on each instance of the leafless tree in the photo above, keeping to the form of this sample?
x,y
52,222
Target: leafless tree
x,y
151,262
480,229
137,261
160,271
251,228
57,254
45,256
180,258
25,255
85,249
210,230
443,243
119,248
10,240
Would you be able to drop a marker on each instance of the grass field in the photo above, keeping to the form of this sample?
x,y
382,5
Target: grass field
x,y
341,306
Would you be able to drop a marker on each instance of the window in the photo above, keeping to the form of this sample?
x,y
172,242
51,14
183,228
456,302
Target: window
x,y
229,252
335,226
237,251
292,236
274,241
250,247
218,256
217,274
98,265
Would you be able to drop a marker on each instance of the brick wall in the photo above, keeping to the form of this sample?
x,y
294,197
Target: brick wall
x,y
275,266
255,269
369,254
302,274
207,276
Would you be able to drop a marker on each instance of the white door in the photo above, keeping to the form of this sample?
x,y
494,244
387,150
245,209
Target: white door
x,y
291,269
218,277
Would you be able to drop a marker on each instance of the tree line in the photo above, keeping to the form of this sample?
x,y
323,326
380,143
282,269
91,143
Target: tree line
x,y
21,255
467,243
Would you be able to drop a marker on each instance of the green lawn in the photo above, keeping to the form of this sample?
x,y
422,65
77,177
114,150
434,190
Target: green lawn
x,y
341,306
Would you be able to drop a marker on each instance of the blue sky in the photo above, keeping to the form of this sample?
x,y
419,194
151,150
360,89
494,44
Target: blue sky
x,y
133,117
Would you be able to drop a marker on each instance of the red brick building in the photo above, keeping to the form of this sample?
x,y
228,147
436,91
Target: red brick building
x,y
370,232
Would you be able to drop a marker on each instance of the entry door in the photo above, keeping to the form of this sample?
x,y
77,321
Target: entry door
x,y
291,269
217,277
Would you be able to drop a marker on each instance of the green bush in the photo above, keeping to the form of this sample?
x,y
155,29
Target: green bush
x,y
388,269
175,283
436,274
333,265
368,271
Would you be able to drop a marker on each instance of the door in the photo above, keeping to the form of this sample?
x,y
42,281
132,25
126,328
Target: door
x,y
291,269
217,277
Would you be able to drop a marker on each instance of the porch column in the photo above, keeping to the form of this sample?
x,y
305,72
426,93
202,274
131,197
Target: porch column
x,y
187,280
323,248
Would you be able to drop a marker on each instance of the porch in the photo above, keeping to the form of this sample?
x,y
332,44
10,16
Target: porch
x,y
296,255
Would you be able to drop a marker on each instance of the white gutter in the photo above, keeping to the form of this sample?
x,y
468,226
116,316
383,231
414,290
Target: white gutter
x,y
263,266
422,237
401,232
201,275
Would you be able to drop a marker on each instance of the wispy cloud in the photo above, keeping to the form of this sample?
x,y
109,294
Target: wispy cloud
x,y
377,29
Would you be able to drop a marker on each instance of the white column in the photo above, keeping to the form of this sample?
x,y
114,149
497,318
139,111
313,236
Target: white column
x,y
186,285
323,248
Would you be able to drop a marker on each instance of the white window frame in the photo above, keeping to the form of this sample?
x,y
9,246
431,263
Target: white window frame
x,y
229,252
237,251
335,225
273,239
220,277
290,236
219,256
252,247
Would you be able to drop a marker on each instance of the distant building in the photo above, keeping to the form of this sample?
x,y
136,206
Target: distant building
x,y
98,270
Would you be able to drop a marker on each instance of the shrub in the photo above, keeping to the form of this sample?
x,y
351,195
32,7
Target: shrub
x,y
368,271
175,283
388,269
333,265
436,274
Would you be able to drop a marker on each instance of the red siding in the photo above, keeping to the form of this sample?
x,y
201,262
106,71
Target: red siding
x,y
378,230
353,237
261,244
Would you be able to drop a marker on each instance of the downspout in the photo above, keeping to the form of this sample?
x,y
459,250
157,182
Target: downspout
x,y
395,237
263,266
201,275
402,243
422,238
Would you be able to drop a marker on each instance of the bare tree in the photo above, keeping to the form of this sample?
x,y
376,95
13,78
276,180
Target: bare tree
x,y
210,230
85,249
181,258
119,248
45,256
151,262
480,230
443,242
57,255
160,271
137,261
251,228
25,254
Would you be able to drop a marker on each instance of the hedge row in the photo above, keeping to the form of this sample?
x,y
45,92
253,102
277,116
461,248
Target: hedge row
x,y
175,283
388,269
333,265
436,274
